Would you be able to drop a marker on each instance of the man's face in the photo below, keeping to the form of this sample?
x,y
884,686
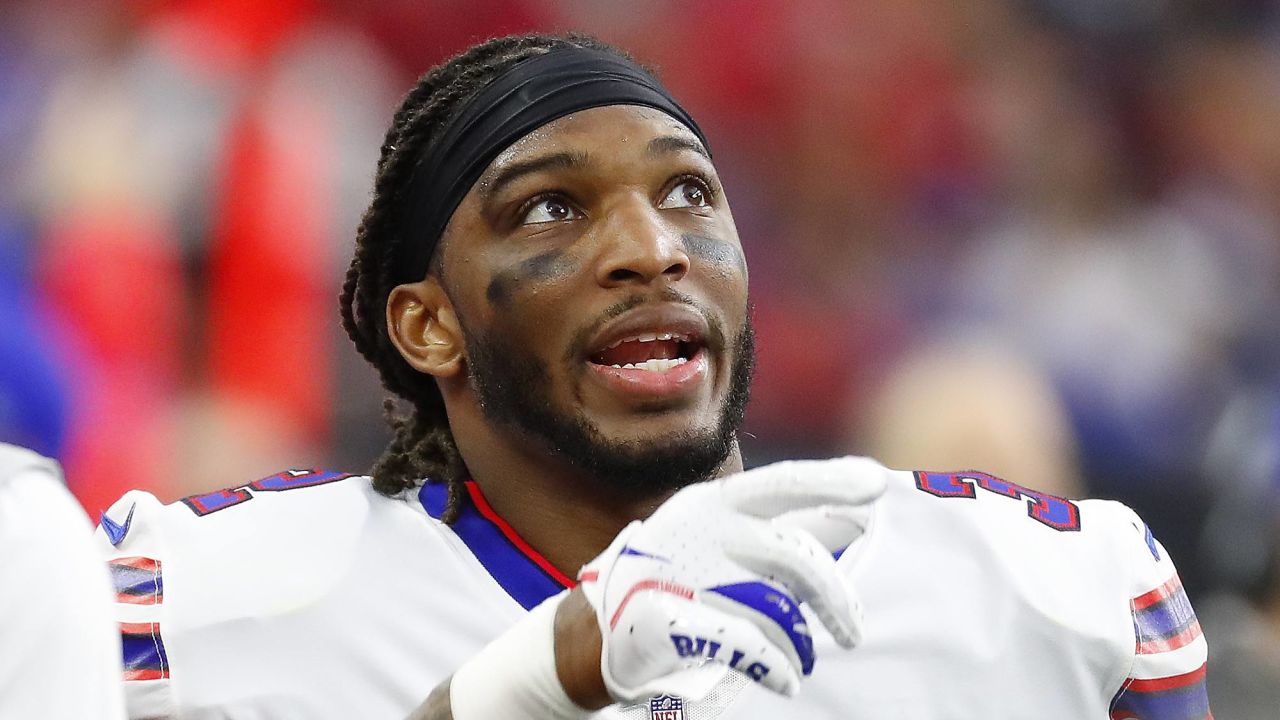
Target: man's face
x,y
602,291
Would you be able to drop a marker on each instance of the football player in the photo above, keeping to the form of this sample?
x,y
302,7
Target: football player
x,y
61,656
550,277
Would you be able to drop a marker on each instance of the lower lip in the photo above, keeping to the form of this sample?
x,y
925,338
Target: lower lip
x,y
679,380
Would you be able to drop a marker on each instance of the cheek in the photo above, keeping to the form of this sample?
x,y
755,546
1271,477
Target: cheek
x,y
527,277
716,253
722,263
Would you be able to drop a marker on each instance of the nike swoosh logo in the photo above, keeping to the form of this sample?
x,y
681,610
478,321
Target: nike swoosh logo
x,y
115,531
628,550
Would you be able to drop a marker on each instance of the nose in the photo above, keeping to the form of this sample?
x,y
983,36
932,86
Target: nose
x,y
639,247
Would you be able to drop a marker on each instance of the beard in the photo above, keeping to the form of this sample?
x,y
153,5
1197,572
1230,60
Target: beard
x,y
513,388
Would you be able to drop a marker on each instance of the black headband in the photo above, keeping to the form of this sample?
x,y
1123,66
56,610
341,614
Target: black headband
x,y
530,94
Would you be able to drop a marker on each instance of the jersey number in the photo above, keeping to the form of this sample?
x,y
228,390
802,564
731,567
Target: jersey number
x,y
1056,512
288,480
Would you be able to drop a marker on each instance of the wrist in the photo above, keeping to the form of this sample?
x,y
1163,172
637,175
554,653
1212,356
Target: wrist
x,y
578,648
515,677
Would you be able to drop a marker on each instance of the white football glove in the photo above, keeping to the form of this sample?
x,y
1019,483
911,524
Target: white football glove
x,y
715,576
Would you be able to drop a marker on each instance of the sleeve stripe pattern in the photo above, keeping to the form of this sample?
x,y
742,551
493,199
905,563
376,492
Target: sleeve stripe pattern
x,y
137,580
135,567
1163,619
144,655
1167,680
1182,697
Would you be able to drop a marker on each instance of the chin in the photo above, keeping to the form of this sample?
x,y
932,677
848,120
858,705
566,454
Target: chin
x,y
654,427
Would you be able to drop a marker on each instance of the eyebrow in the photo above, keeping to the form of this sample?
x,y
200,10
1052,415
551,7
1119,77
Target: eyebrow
x,y
514,171
675,143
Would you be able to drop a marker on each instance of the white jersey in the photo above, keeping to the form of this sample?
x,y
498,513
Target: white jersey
x,y
308,595
59,653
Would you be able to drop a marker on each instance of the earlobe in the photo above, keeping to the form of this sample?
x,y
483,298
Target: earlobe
x,y
424,328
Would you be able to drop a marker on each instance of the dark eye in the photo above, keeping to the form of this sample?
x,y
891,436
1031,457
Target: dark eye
x,y
549,210
690,192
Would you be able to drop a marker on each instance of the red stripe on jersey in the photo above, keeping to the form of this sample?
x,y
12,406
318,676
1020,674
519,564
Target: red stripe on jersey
x,y
1182,639
659,585
1151,598
1168,683
146,674
146,628
510,533
138,563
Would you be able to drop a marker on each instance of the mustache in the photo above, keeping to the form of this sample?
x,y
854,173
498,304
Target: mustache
x,y
714,341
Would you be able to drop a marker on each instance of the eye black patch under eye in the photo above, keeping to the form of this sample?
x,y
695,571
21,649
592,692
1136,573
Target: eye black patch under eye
x,y
714,251
539,268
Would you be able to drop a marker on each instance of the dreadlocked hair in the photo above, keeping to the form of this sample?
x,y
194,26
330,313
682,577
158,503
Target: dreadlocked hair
x,y
422,447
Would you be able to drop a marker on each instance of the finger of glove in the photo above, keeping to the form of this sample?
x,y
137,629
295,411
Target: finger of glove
x,y
836,527
795,559
772,609
783,487
743,643
663,635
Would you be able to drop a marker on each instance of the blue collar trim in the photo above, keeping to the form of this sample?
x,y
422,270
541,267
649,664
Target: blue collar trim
x,y
526,576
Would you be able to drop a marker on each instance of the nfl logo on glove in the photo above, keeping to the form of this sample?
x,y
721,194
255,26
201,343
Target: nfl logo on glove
x,y
666,707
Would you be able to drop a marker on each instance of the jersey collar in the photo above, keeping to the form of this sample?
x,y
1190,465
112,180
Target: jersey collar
x,y
523,572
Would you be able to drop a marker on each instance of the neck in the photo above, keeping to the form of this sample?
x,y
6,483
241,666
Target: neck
x,y
566,515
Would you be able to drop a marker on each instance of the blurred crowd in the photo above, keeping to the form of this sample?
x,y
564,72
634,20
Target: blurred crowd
x,y
1037,237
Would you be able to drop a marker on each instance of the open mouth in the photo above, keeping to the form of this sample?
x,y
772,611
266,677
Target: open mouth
x,y
659,352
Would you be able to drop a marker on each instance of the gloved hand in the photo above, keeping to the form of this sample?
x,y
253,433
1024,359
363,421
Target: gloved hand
x,y
716,575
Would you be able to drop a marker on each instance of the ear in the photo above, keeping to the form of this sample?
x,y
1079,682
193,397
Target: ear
x,y
425,329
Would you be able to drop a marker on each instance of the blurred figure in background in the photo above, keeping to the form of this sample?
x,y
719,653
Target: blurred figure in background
x,y
968,404
1246,643
161,216
35,380
1241,547
61,655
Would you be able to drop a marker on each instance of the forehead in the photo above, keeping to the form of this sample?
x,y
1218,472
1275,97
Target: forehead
x,y
594,129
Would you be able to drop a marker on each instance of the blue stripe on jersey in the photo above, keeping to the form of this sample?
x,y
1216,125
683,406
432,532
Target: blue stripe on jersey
x,y
518,574
143,650
1167,618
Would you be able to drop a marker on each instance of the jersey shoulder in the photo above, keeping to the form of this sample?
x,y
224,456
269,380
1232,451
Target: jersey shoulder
x,y
258,512
1091,565
290,536
1013,515
189,577
1101,545
15,460
66,659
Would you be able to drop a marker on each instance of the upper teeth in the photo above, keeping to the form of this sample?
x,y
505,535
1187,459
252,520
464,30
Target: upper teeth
x,y
654,365
650,337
